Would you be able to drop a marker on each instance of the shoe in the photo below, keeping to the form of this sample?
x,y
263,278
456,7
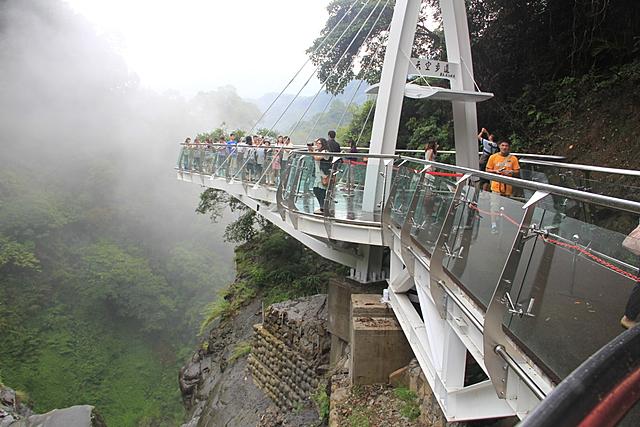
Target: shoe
x,y
627,323
319,212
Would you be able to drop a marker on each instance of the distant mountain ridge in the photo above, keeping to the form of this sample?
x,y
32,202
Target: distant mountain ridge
x,y
298,107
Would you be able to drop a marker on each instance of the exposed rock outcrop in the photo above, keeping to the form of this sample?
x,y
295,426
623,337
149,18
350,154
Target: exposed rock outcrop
x,y
291,351
14,413
215,390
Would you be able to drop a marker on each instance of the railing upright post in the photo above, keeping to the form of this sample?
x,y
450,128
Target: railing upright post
x,y
438,279
405,232
497,347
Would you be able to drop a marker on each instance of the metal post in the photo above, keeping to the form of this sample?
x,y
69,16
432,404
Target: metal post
x,y
495,342
465,121
438,277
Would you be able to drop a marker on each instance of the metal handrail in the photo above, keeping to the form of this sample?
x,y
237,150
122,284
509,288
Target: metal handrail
x,y
524,155
358,155
616,171
607,201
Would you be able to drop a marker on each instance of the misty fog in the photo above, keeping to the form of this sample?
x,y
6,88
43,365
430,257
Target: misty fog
x,y
69,105
87,173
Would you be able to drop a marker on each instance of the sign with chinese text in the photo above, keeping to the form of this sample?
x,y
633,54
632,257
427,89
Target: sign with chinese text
x,y
432,68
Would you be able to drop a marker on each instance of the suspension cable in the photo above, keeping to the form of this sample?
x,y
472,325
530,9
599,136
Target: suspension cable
x,y
364,125
301,68
318,67
334,68
371,58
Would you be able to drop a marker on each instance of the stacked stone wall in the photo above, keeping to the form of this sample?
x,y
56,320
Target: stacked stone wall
x,y
290,350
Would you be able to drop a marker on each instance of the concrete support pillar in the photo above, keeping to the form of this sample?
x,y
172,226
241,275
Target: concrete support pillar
x,y
378,344
370,266
339,310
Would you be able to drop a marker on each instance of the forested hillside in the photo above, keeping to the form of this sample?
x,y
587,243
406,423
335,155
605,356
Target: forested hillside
x,y
104,267
565,75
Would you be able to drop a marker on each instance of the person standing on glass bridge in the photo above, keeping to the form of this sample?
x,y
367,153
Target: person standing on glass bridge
x,y
431,151
501,163
489,147
322,172
332,144
232,152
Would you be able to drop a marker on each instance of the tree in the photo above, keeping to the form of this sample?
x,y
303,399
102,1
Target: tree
x,y
127,284
327,49
213,202
516,46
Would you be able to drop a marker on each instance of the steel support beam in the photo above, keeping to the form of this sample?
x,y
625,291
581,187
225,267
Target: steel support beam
x,y
465,120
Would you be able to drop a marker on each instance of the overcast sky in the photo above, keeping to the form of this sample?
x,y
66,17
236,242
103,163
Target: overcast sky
x,y
199,45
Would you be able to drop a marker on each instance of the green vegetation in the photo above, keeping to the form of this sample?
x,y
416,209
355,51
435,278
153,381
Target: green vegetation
x,y
269,263
360,417
322,401
95,307
241,349
410,408
564,74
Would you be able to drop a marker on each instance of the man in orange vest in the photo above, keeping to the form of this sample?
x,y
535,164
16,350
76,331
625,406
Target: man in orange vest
x,y
502,163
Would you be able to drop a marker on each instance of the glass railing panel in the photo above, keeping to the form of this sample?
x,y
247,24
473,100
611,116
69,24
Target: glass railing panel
x,y
348,196
244,167
577,279
305,199
434,198
183,158
481,238
221,162
405,179
592,181
271,167
291,171
208,161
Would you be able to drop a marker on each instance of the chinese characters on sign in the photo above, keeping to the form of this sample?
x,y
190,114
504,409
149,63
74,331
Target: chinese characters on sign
x,y
432,68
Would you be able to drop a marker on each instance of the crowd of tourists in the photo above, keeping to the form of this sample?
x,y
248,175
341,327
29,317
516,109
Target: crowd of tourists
x,y
257,159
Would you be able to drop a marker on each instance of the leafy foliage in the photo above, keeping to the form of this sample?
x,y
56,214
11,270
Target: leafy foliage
x,y
90,313
410,408
322,401
241,349
17,254
518,49
246,227
127,284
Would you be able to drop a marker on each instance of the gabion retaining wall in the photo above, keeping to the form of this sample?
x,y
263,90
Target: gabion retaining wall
x,y
290,350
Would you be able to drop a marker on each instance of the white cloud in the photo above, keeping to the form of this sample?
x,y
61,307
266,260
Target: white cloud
x,y
195,45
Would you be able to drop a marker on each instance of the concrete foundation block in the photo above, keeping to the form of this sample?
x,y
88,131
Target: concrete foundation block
x,y
378,348
369,305
339,303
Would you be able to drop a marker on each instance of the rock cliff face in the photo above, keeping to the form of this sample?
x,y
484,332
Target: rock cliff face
x,y
290,350
14,414
217,391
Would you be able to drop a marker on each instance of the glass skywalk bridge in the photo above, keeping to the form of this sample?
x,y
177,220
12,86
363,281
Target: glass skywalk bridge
x,y
524,287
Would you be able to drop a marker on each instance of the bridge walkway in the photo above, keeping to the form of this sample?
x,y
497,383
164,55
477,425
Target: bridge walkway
x,y
529,285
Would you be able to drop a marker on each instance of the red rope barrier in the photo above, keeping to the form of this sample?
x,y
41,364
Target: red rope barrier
x,y
451,174
595,258
565,245
501,214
